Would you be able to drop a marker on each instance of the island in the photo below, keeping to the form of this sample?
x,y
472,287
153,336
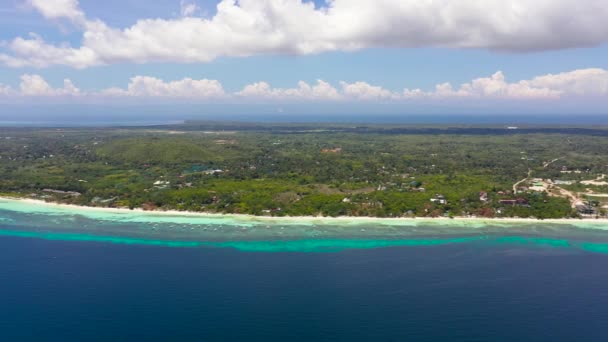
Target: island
x,y
332,170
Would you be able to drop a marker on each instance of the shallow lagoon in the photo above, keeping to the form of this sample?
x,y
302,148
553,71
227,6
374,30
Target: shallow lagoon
x,y
79,274
53,222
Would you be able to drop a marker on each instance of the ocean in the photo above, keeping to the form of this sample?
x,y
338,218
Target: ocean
x,y
98,276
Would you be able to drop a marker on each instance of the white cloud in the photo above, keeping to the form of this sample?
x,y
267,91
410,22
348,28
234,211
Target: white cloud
x,y
577,82
35,85
582,83
35,52
145,86
188,8
5,90
320,91
57,9
366,91
496,86
252,27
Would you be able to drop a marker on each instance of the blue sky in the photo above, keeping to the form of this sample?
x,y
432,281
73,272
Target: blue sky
x,y
545,54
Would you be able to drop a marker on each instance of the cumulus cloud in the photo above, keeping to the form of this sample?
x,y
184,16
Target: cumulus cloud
x,y
145,86
577,82
58,9
582,83
320,91
252,27
35,85
494,86
35,52
366,91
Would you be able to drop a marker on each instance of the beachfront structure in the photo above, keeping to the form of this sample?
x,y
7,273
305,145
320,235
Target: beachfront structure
x,y
213,172
61,192
439,199
483,196
516,201
585,209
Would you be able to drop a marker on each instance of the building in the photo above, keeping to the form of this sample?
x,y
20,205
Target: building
x,y
60,192
439,199
516,201
332,150
585,209
213,172
483,196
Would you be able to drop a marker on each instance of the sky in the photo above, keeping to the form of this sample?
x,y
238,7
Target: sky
x,y
296,57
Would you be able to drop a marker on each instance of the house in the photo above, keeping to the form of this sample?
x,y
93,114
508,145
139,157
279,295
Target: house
x,y
517,201
213,172
439,199
160,184
585,209
483,196
60,192
415,184
103,201
270,211
332,150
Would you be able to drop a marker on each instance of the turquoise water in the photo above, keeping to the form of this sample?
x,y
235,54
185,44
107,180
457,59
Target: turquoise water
x,y
329,245
42,221
89,275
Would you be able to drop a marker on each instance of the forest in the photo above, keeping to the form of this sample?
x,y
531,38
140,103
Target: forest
x,y
328,170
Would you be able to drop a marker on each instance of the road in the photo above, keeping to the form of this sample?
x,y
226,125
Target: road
x,y
521,181
551,162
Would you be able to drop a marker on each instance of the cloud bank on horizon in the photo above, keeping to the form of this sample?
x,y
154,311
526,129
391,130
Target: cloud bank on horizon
x,y
583,82
261,27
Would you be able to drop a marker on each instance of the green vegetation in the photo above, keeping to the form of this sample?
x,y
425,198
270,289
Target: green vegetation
x,y
312,170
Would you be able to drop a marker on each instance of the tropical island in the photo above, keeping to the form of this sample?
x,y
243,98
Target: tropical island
x,y
356,170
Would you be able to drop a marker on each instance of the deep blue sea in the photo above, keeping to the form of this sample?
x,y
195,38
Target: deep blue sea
x,y
92,291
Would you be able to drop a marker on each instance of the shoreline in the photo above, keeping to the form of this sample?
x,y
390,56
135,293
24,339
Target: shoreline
x,y
299,219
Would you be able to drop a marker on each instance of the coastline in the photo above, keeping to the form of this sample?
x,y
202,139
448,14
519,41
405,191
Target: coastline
x,y
29,218
294,219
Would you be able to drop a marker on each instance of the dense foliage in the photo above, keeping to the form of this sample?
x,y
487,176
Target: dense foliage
x,y
296,172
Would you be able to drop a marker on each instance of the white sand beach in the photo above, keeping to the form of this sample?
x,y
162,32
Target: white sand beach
x,y
139,215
